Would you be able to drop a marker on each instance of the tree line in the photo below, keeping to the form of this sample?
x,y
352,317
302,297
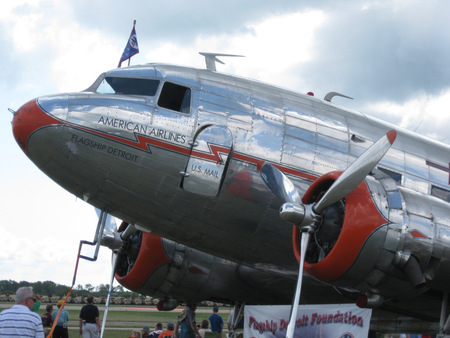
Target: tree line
x,y
49,288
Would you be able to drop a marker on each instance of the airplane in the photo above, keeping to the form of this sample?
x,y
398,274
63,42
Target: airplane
x,y
238,191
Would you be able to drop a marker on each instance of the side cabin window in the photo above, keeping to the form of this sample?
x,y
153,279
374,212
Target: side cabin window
x,y
128,86
395,176
441,193
175,97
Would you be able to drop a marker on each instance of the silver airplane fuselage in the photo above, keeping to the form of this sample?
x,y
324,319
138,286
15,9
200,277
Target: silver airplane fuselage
x,y
177,151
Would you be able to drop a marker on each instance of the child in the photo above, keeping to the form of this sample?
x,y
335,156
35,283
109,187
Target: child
x,y
135,334
47,321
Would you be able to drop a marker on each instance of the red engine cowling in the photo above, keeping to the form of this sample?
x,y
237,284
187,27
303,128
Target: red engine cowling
x,y
380,240
133,267
172,272
360,220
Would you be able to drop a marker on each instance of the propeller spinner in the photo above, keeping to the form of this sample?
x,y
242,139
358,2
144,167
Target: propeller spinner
x,y
308,217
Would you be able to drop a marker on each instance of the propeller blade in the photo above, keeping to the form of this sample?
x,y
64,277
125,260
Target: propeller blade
x,y
294,309
356,172
279,184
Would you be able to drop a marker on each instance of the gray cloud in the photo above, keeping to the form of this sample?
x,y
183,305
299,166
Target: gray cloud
x,y
383,52
179,21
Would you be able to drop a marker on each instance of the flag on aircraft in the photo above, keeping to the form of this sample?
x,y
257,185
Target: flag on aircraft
x,y
132,47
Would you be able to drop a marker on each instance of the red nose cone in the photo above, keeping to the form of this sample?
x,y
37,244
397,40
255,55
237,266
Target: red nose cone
x,y
29,118
23,125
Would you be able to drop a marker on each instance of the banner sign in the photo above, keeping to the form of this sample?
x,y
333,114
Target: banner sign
x,y
329,320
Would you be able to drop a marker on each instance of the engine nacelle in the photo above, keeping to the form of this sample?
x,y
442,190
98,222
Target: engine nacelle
x,y
174,273
381,240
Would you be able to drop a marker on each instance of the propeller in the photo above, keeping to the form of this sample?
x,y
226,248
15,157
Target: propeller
x,y
308,217
279,184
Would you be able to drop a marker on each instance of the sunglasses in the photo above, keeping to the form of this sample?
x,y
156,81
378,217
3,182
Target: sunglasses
x,y
33,299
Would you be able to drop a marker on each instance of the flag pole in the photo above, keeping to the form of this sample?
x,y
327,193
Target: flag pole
x,y
134,25
131,47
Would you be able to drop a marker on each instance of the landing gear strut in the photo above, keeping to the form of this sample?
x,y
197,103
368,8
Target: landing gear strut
x,y
444,324
237,321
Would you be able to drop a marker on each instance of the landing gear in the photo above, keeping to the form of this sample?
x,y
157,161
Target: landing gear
x,y
236,321
106,234
444,324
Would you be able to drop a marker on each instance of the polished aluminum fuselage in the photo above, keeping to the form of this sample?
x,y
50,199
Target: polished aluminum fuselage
x,y
307,137
192,176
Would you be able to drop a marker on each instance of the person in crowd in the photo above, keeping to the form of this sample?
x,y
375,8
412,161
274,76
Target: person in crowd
x,y
168,332
146,331
47,321
204,328
186,323
61,328
20,320
230,321
216,322
47,316
157,331
90,319
135,334
37,304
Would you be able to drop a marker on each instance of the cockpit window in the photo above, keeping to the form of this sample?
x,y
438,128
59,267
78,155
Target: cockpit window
x,y
175,97
128,86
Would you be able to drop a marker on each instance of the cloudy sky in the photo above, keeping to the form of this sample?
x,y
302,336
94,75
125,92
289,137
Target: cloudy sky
x,y
391,56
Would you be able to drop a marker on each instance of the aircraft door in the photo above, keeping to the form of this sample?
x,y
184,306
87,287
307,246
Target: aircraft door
x,y
208,160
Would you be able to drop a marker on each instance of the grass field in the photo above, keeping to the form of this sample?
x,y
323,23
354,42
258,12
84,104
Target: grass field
x,y
120,323
107,334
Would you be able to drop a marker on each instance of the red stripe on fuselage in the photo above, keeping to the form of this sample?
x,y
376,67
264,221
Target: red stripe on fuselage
x,y
213,155
259,162
417,234
31,117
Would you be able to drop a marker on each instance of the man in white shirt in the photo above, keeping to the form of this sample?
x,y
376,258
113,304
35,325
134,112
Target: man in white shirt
x,y
20,320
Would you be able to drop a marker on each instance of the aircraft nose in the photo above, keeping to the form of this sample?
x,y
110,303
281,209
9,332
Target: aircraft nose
x,y
28,119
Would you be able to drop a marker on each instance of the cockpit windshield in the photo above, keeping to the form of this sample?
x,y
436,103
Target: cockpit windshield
x,y
128,86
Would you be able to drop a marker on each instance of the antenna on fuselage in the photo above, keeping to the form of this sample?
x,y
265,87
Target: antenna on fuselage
x,y
330,95
211,59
